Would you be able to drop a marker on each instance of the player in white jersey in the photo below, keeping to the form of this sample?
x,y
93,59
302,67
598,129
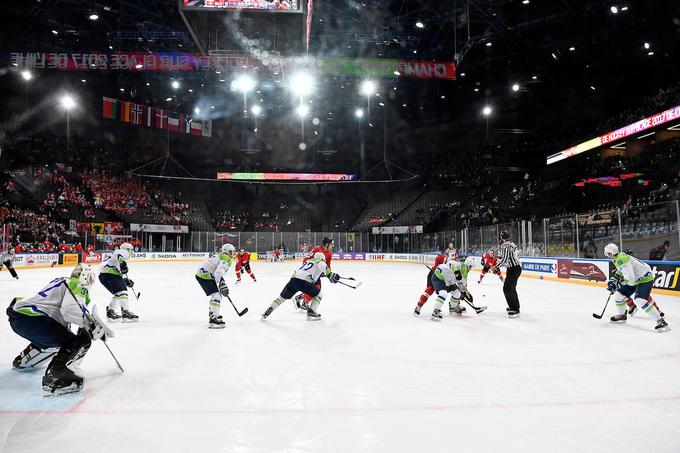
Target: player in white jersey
x,y
113,276
304,280
211,277
450,280
7,260
44,320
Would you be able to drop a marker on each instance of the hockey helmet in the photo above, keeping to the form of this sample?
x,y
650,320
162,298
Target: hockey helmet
x,y
470,262
504,236
611,250
84,274
326,240
319,256
229,249
127,248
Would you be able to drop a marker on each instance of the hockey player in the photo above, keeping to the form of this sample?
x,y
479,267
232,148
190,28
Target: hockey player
x,y
489,262
44,319
113,276
632,308
637,283
451,251
303,300
450,279
7,260
211,277
243,262
305,279
429,289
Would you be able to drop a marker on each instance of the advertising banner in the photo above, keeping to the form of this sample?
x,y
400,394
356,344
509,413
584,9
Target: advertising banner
x,y
666,274
540,267
593,271
70,259
92,258
149,228
398,229
37,259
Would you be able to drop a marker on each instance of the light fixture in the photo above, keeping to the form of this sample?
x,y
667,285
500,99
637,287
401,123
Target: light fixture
x,y
302,110
301,83
487,110
148,84
534,77
256,110
83,80
419,24
553,55
197,110
489,44
26,75
359,113
614,10
592,87
139,66
168,99
572,48
55,32
650,53
122,89
625,8
367,87
515,87
525,2
174,84
93,16
67,102
397,73
646,45
243,84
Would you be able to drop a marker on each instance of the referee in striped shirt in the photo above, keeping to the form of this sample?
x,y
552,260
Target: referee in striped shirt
x,y
509,258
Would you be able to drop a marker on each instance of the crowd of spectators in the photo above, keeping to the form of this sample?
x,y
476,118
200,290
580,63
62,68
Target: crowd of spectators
x,y
118,194
227,220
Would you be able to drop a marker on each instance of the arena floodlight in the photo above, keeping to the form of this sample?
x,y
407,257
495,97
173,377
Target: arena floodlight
x,y
515,87
487,110
302,110
67,102
26,75
646,45
256,110
197,110
420,24
301,83
93,16
243,84
174,84
614,10
359,113
367,88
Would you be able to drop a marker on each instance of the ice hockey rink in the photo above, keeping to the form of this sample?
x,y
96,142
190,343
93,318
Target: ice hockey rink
x,y
368,377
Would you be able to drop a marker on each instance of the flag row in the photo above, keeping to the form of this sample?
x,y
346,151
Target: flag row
x,y
143,115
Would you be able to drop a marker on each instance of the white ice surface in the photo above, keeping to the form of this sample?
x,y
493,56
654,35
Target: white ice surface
x,y
368,377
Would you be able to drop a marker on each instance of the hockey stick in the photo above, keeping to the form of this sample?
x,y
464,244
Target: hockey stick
x,y
465,297
350,286
88,315
239,313
596,316
137,294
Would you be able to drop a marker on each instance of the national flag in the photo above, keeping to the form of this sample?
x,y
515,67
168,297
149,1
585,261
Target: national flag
x,y
110,108
206,128
174,121
160,118
125,111
136,114
147,116
195,127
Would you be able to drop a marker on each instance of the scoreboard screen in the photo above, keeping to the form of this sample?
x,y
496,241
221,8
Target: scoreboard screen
x,y
250,5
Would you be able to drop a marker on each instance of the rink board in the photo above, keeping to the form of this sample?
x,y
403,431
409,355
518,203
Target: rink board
x,y
592,272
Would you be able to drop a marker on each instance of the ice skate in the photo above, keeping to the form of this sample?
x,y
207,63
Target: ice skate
x,y
61,382
416,311
662,326
216,322
437,314
513,314
267,312
238,282
457,309
618,319
128,316
313,316
111,315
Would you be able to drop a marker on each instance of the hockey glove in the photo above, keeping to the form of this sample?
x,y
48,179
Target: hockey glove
x,y
451,288
612,285
333,277
223,289
458,275
123,267
96,328
467,296
129,283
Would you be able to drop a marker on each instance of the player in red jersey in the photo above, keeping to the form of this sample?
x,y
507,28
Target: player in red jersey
x,y
302,300
243,262
449,254
489,261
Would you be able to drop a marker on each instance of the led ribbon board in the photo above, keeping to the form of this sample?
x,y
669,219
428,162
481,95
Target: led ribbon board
x,y
265,5
626,131
285,176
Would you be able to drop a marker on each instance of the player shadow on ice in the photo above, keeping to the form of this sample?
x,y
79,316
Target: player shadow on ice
x,y
20,391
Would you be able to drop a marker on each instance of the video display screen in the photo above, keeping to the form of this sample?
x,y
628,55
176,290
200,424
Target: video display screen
x,y
259,5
